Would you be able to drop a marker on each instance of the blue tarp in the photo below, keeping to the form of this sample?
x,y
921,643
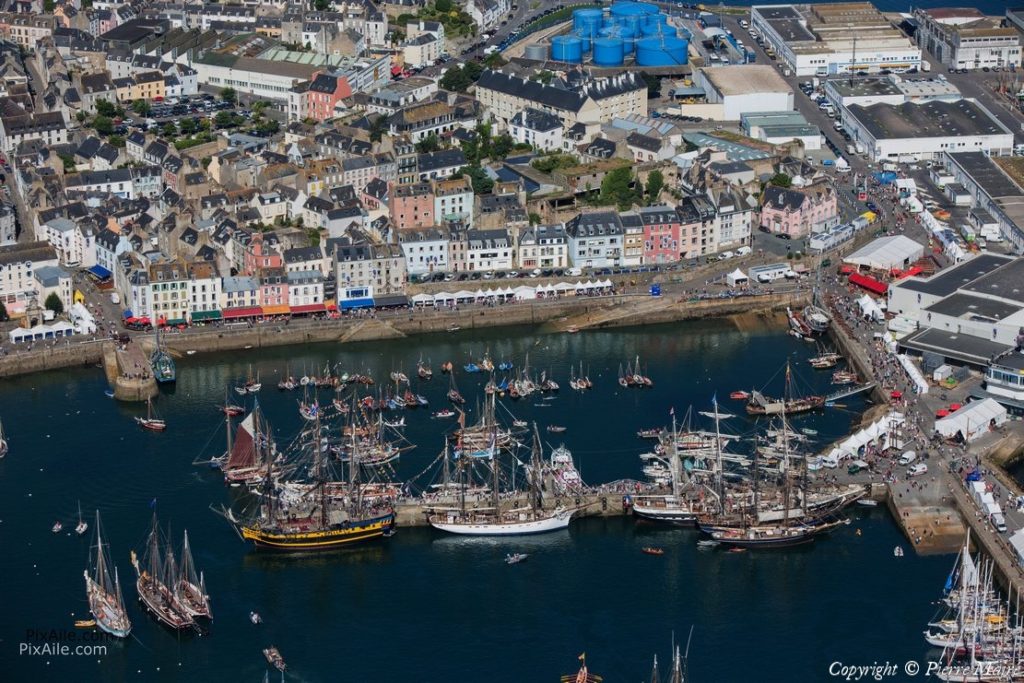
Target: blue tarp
x,y
100,272
885,177
348,304
127,313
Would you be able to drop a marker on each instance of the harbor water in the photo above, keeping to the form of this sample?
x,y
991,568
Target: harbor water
x,y
420,605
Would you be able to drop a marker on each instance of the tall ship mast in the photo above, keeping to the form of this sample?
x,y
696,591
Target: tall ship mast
x,y
493,521
104,592
249,457
315,518
191,586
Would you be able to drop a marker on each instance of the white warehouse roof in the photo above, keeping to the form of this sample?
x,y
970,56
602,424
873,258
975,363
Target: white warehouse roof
x,y
886,253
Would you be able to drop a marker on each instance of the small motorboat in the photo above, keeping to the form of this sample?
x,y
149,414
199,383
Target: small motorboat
x,y
653,550
109,393
232,409
520,424
556,429
441,414
255,618
897,551
515,558
807,431
572,329
740,395
57,526
190,352
389,532
737,550
867,502
454,328
396,424
85,623
274,657
707,544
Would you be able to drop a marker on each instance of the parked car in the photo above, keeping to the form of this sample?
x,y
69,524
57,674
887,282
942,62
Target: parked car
x,y
917,470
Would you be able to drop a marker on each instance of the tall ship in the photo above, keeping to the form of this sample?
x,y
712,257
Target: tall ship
x,y
251,452
191,585
494,520
157,582
103,590
309,507
164,370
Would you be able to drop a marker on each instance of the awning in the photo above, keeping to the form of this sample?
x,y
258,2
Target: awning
x,y
347,304
242,312
390,300
308,308
331,306
174,321
198,316
869,283
100,272
278,310
127,314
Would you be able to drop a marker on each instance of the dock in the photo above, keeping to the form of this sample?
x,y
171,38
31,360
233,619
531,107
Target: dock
x,y
128,371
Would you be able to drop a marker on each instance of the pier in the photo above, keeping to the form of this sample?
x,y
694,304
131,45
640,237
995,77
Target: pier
x,y
128,371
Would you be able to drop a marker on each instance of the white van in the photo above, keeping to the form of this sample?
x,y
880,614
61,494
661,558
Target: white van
x,y
917,470
726,254
743,251
907,458
574,272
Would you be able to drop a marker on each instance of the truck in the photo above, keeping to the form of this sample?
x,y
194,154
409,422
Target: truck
x,y
851,148
926,65
115,298
769,273
859,147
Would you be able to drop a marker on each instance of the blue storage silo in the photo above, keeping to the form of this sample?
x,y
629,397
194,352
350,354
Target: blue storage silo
x,y
609,21
628,40
624,9
585,37
608,52
662,51
567,49
651,29
587,20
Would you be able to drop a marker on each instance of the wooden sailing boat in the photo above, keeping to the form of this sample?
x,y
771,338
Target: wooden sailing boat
x,y
453,392
229,408
191,587
423,370
314,520
82,525
151,422
583,675
157,583
104,592
494,521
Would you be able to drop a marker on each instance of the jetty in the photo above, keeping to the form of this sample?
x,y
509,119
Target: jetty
x,y
128,371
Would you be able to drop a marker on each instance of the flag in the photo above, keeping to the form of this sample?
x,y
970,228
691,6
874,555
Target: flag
x,y
152,503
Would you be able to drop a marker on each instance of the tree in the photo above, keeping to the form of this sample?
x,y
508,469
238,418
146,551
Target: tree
x,y
655,183
443,6
378,127
617,188
54,303
226,119
116,141
653,85
501,146
431,143
3,312
229,95
69,162
472,70
781,180
534,218
104,108
141,107
188,126
169,130
482,183
80,116
205,162
494,60
455,80
103,125
322,5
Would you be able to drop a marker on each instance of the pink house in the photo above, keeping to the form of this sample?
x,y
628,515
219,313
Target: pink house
x,y
799,211
662,239
259,256
273,292
325,91
412,206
